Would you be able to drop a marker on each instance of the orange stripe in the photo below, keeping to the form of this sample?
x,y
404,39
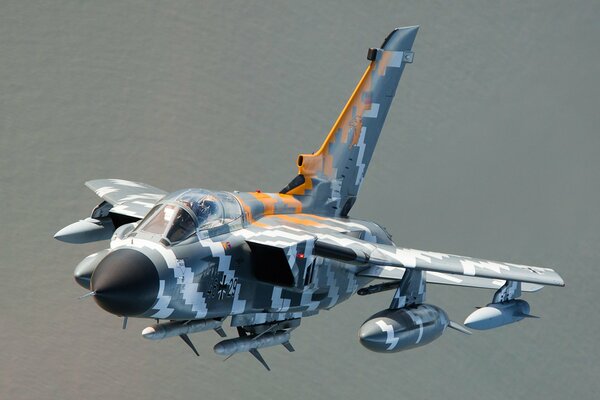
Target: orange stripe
x,y
267,201
301,221
261,225
345,109
291,202
322,160
247,211
298,190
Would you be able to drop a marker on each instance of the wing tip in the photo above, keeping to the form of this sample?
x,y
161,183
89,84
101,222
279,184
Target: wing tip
x,y
91,183
556,279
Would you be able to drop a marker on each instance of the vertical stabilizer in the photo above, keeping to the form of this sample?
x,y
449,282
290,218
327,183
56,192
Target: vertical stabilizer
x,y
328,180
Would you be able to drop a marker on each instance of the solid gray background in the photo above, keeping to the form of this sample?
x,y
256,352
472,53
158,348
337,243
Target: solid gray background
x,y
490,150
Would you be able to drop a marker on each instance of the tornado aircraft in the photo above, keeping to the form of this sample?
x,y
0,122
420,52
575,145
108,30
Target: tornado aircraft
x,y
192,260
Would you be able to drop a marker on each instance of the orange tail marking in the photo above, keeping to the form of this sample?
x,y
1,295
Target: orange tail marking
x,y
322,161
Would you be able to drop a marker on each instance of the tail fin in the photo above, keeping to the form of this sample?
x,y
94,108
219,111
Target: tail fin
x,y
331,177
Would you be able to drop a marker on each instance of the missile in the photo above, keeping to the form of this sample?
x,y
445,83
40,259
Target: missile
x,y
249,343
390,331
178,328
85,231
495,315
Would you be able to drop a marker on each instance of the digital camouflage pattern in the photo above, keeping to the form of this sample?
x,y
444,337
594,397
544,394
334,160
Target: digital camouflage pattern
x,y
268,259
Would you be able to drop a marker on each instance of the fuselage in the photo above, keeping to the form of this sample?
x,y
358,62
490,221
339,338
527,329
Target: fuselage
x,y
213,272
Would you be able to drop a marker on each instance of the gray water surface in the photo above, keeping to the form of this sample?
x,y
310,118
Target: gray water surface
x,y
490,149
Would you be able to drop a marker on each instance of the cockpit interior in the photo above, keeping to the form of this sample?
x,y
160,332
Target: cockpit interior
x,y
181,214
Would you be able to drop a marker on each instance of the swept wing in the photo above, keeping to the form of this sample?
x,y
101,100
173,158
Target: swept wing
x,y
131,199
359,251
332,242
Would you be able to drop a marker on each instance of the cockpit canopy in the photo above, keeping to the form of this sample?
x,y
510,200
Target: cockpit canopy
x,y
177,216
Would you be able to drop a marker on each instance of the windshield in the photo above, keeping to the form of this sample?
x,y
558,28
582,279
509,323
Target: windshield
x,y
182,213
171,221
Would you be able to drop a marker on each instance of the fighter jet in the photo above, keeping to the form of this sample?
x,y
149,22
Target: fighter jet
x,y
194,258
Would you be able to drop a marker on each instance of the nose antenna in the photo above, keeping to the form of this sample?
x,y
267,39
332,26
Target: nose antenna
x,y
89,294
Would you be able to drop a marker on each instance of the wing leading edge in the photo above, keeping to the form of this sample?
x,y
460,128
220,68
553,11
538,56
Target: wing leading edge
x,y
441,278
333,239
124,202
131,199
361,252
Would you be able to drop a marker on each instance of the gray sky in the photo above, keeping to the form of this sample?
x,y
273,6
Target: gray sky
x,y
490,150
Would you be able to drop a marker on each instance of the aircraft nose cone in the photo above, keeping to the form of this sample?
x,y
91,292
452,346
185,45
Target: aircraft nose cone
x,y
125,282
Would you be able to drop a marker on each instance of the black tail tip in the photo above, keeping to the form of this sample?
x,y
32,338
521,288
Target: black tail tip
x,y
400,38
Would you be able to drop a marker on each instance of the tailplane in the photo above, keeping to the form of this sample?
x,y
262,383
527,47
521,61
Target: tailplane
x,y
329,179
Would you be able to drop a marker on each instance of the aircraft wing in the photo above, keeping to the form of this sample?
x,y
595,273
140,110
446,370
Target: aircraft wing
x,y
441,278
131,199
124,202
333,239
358,251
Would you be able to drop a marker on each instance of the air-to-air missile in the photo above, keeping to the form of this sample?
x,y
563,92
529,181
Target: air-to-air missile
x,y
497,314
390,331
249,343
178,328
